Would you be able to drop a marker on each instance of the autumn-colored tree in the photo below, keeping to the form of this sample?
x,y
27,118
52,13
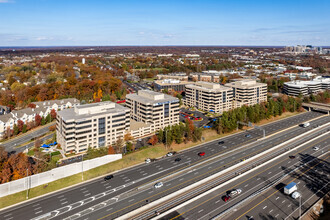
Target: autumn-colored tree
x,y
153,140
31,105
20,125
53,114
37,120
111,150
128,137
37,143
52,128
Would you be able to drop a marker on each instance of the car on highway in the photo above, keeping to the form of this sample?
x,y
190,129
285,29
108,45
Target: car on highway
x,y
158,185
148,160
292,157
169,154
201,154
234,192
177,159
221,142
295,195
226,198
109,177
248,135
316,148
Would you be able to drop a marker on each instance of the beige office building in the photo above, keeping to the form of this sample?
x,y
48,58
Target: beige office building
x,y
91,125
209,97
158,109
248,92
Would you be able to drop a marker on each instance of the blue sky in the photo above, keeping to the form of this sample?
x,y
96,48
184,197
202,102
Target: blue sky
x,y
180,22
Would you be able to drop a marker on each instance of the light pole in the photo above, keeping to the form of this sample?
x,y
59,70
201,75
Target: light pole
x,y
27,185
300,206
82,168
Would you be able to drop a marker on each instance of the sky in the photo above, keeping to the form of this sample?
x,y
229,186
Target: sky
x,y
164,22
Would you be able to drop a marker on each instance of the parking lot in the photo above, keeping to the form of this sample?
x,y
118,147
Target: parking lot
x,y
192,115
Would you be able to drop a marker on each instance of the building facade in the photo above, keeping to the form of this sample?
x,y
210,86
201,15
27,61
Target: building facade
x,y
296,88
248,92
91,125
170,85
158,109
209,97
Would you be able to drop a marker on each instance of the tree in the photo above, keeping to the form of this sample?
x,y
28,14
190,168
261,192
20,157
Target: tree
x,y
111,150
31,105
20,125
53,114
128,137
43,121
160,136
52,128
37,143
118,145
24,128
16,131
48,119
153,140
129,147
37,120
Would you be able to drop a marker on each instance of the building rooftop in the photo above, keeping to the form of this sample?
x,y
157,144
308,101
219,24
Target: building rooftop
x,y
207,86
151,97
89,110
245,84
135,125
300,83
168,82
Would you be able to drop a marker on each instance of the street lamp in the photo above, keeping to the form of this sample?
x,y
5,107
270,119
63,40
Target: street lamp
x,y
82,168
300,206
27,185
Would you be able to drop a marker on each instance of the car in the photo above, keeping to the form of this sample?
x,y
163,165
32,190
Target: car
x,y
169,154
248,135
109,177
201,154
295,195
292,157
316,148
148,160
234,192
177,159
158,185
221,142
225,198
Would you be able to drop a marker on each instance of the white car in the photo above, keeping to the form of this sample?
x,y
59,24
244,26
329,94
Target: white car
x,y
316,148
148,160
235,192
158,185
169,154
295,195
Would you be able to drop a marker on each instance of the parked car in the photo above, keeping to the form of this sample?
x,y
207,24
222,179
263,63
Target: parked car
x,y
201,154
109,177
158,185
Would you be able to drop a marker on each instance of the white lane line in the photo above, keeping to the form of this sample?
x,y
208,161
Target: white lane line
x,y
217,201
277,198
276,215
127,180
88,194
85,191
39,204
62,199
108,187
270,172
150,192
200,210
63,203
246,185
181,179
283,201
80,190
258,178
209,168
109,209
289,205
265,207
144,174
38,212
270,211
169,184
9,218
7,215
131,200
37,208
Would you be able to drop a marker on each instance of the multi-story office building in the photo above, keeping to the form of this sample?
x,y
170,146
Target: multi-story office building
x,y
175,76
295,88
158,109
91,125
209,97
171,84
248,92
206,77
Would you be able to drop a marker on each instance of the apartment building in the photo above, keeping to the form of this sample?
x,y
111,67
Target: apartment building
x,y
158,109
58,104
248,92
91,125
170,85
209,97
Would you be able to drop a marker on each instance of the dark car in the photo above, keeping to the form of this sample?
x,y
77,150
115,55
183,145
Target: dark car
x,y
292,157
221,142
225,198
177,159
201,154
248,135
109,177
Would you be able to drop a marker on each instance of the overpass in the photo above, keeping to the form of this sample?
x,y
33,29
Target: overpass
x,y
317,106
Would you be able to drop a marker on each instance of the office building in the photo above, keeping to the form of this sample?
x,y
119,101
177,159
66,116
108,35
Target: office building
x,y
91,125
295,88
209,97
170,85
158,109
175,76
248,92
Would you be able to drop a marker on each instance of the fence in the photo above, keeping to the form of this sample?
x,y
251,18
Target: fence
x,y
54,174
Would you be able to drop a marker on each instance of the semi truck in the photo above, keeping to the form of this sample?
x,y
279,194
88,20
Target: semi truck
x,y
290,188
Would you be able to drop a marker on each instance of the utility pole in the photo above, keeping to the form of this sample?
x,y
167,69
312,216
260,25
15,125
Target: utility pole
x,y
82,168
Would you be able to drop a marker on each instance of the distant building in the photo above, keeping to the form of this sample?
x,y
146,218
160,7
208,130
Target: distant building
x,y
91,125
170,84
176,76
58,104
296,88
248,92
158,109
83,61
4,110
206,77
209,97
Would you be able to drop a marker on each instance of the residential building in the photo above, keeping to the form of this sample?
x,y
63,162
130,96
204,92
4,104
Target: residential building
x,y
158,109
58,104
4,110
209,97
170,84
91,125
248,92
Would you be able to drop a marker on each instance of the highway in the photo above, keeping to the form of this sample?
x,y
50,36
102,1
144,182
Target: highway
x,y
262,194
67,203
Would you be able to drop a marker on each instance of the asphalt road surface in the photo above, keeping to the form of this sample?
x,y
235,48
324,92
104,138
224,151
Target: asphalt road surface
x,y
311,176
67,203
10,146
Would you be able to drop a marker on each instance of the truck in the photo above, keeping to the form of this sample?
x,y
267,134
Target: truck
x,y
290,188
305,125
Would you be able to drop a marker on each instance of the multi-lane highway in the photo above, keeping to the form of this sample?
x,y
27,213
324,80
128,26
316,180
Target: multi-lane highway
x,y
262,194
125,192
